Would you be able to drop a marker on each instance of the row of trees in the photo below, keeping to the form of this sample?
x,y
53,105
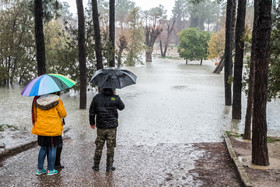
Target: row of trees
x,y
57,34
62,45
259,71
261,79
193,47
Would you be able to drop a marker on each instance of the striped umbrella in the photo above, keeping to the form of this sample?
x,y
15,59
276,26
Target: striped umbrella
x,y
47,83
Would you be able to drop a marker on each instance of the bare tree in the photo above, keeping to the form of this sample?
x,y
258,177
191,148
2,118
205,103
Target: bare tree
x,y
122,45
82,54
168,32
153,28
151,33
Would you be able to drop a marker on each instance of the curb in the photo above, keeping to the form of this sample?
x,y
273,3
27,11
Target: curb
x,y
17,149
22,147
241,171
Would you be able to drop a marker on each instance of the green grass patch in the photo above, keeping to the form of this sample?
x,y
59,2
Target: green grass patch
x,y
11,127
269,139
174,45
237,135
272,139
228,133
170,57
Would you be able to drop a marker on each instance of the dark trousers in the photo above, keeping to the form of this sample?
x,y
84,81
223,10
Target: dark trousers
x,y
58,154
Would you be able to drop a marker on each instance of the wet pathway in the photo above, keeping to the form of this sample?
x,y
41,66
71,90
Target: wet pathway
x,y
171,107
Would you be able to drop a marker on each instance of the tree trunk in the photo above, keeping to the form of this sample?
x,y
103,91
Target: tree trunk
x,y
39,37
13,70
169,31
238,62
250,99
120,58
8,71
151,34
165,49
201,62
233,23
220,66
112,33
263,30
186,61
274,4
82,54
161,50
97,36
148,56
194,21
122,46
201,24
228,53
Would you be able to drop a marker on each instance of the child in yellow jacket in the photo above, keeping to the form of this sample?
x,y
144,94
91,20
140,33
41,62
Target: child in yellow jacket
x,y
48,110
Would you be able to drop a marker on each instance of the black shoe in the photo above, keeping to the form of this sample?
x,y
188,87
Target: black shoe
x,y
59,166
109,169
95,168
109,164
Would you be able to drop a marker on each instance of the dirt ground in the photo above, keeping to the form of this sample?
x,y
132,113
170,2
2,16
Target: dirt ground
x,y
268,176
215,168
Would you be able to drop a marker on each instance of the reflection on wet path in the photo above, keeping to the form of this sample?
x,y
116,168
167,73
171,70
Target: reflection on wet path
x,y
177,103
161,165
172,106
171,103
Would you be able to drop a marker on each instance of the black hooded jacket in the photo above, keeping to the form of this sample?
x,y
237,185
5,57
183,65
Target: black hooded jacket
x,y
105,106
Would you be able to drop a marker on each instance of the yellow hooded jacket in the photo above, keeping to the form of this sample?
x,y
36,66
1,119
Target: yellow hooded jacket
x,y
49,110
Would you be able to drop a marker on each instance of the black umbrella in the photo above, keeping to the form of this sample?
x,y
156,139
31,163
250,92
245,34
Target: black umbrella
x,y
113,78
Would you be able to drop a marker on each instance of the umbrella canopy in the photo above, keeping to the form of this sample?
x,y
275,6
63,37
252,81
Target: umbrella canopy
x,y
113,78
47,83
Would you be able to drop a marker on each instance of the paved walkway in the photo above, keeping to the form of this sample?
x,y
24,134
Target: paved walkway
x,y
171,129
161,165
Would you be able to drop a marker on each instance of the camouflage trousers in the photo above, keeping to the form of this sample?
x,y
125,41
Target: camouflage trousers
x,y
108,135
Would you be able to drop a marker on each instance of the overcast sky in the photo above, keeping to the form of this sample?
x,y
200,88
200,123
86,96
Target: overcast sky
x,y
143,4
147,4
